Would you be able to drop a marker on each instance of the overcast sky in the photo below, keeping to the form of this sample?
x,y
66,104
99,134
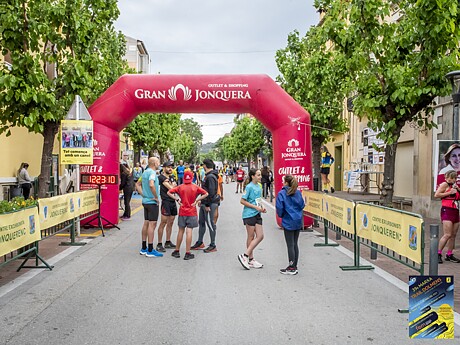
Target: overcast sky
x,y
214,37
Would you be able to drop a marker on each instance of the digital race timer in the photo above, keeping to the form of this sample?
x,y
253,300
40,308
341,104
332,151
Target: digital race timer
x,y
98,179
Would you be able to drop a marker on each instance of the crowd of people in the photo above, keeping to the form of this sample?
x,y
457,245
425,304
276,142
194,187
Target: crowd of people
x,y
178,191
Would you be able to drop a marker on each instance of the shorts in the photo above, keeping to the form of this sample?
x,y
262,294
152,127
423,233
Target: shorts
x,y
151,212
187,221
168,208
240,181
449,214
252,221
325,171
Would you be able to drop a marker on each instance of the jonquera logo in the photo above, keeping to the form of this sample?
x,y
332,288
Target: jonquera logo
x,y
172,93
293,142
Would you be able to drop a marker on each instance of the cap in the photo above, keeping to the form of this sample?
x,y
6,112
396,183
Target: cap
x,y
168,164
188,177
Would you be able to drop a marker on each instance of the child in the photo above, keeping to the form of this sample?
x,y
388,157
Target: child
x,y
289,207
188,216
251,200
448,192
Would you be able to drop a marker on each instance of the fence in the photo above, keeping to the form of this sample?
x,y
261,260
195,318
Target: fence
x,y
396,234
21,231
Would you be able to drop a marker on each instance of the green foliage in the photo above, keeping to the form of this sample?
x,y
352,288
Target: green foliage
x,y
154,131
193,130
16,204
397,67
315,77
183,148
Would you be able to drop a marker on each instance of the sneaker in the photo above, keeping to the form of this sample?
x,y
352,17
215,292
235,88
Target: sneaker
x,y
440,259
332,190
255,264
289,271
197,246
325,191
160,248
189,256
154,254
244,261
210,249
452,258
176,254
143,251
170,245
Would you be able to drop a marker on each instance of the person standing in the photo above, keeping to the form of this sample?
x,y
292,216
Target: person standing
x,y
208,207
189,195
24,180
180,172
127,186
137,172
265,181
448,192
239,179
289,207
168,207
252,219
326,162
149,188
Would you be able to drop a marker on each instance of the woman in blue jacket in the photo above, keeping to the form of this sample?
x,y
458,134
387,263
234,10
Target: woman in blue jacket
x,y
289,207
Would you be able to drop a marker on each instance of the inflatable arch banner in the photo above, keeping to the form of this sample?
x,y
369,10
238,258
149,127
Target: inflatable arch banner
x,y
258,95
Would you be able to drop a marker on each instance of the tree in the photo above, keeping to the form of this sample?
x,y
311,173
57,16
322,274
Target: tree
x,y
314,75
193,129
150,132
75,42
246,139
397,66
182,147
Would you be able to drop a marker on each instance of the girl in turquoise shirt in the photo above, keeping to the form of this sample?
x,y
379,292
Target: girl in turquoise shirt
x,y
251,200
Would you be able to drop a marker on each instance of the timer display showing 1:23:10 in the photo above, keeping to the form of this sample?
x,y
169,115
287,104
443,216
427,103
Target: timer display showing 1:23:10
x,y
98,179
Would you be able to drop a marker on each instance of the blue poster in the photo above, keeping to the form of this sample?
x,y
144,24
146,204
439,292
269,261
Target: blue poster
x,y
431,307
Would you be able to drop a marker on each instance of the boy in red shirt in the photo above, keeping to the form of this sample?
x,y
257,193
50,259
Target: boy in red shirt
x,y
188,216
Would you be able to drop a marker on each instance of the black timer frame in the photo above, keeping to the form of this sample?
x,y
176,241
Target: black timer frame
x,y
98,216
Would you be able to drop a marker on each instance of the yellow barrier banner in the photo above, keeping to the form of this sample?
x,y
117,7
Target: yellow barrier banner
x,y
339,212
18,229
395,230
56,210
87,201
314,202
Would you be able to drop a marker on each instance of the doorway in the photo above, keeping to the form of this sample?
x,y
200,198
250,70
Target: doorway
x,y
338,173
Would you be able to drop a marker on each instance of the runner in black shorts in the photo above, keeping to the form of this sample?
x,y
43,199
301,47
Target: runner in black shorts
x,y
168,206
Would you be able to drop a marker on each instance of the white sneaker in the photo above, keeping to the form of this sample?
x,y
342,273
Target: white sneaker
x,y
244,261
255,264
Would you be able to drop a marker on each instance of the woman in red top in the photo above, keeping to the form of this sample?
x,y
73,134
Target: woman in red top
x,y
189,195
449,194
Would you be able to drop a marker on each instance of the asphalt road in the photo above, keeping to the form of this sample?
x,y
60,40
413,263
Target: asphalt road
x,y
106,293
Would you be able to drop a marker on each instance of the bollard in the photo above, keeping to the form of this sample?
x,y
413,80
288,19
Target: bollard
x,y
373,251
434,242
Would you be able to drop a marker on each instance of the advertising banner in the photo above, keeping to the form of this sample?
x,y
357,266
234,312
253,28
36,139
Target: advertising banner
x,y
314,202
394,230
87,201
339,212
76,142
18,229
431,307
56,210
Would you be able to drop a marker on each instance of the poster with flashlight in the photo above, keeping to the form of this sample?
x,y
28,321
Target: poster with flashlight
x,y
431,307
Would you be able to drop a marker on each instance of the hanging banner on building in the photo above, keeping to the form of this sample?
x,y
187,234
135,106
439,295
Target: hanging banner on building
x,y
18,229
76,142
339,212
56,210
396,231
314,202
431,307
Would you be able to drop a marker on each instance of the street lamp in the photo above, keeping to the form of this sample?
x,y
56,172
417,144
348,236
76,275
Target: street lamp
x,y
454,78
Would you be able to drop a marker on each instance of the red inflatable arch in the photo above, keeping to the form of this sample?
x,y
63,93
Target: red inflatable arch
x,y
258,95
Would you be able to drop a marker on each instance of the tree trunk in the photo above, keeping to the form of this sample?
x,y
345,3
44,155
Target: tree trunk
x,y
49,134
386,196
316,147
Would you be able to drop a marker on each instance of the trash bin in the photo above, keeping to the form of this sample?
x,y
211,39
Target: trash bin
x,y
15,191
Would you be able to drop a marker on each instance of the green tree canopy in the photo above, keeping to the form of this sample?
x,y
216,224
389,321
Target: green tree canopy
x,y
57,49
397,54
